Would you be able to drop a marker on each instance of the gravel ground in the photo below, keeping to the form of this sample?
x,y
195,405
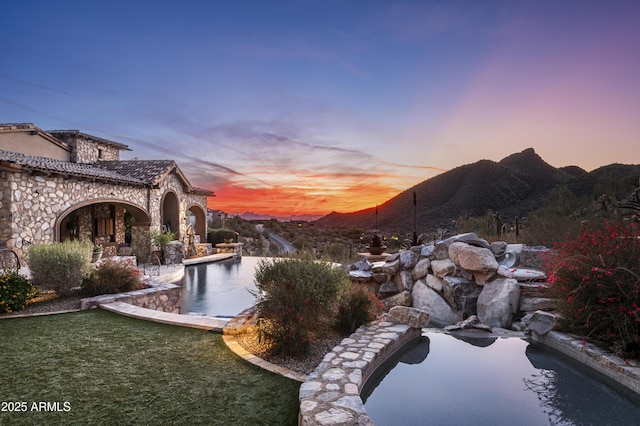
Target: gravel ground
x,y
303,365
46,303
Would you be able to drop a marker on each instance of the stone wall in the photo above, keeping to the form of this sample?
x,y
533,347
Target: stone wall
x,y
33,205
90,151
164,297
36,202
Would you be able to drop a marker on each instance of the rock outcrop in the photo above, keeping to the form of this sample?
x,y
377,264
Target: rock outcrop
x,y
459,278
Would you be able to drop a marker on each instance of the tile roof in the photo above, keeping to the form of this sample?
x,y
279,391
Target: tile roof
x,y
148,171
132,172
16,160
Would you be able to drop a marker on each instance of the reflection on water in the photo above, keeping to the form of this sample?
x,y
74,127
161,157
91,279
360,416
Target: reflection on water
x,y
219,288
413,352
498,381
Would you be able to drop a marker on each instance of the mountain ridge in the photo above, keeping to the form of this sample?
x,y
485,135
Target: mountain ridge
x,y
513,186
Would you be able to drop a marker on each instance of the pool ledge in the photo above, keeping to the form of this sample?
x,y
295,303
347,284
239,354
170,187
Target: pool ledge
x,y
331,393
192,321
206,259
619,371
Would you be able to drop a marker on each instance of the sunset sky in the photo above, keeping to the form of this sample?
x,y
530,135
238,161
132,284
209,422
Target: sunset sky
x,y
311,106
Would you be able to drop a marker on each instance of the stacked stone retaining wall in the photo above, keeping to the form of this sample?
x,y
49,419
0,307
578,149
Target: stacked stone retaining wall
x,y
164,297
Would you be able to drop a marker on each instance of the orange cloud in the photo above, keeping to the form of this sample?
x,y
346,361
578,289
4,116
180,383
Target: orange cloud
x,y
291,201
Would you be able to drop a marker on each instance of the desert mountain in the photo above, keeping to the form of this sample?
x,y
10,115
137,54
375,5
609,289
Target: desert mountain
x,y
513,186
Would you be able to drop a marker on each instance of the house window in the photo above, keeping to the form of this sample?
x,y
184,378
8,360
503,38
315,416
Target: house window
x,y
104,227
99,153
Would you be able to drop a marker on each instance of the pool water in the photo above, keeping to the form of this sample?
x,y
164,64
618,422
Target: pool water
x,y
442,380
219,288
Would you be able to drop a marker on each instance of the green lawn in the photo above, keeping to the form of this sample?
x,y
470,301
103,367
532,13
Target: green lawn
x,y
111,369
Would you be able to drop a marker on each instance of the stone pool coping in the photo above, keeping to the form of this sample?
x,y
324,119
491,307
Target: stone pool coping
x,y
331,394
625,373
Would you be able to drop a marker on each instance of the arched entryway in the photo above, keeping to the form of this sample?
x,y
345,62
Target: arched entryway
x,y
197,218
110,223
171,213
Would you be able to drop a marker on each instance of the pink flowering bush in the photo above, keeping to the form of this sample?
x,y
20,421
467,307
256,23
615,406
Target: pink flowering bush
x,y
595,279
356,307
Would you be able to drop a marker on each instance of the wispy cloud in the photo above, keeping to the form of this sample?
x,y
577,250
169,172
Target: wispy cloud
x,y
46,88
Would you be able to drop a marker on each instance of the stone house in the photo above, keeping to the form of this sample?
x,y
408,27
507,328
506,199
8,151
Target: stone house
x,y
65,184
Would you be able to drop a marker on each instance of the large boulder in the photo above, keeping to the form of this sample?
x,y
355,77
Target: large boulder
x,y
478,260
427,251
440,250
443,289
427,299
404,281
531,304
421,269
400,299
498,302
389,267
361,265
388,287
540,322
413,317
470,238
498,247
408,259
466,294
442,268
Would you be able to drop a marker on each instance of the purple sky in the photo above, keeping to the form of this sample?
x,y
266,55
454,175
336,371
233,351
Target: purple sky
x,y
314,106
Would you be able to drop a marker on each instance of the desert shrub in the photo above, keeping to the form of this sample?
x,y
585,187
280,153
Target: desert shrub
x,y
60,266
595,279
300,242
111,277
216,236
560,217
15,292
337,252
293,295
356,307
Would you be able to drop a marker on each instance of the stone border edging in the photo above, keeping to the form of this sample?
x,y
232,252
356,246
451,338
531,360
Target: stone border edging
x,y
228,333
626,374
331,394
40,314
237,349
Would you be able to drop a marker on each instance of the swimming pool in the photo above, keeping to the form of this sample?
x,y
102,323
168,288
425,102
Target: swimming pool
x,y
443,380
219,288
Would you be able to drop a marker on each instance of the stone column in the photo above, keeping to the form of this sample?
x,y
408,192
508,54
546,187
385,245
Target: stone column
x,y
140,241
